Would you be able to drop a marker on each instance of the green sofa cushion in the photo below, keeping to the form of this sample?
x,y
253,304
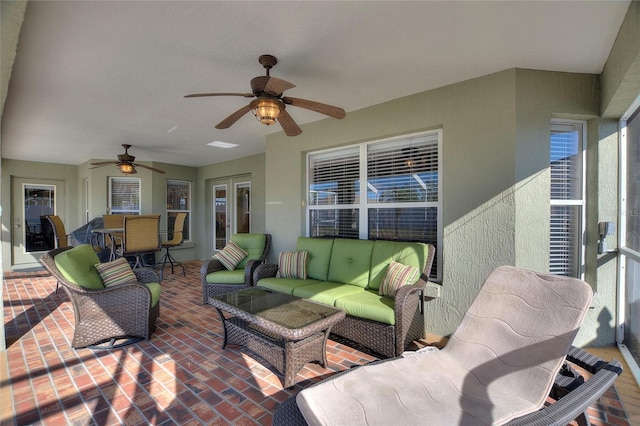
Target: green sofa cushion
x,y
350,262
413,254
226,277
155,289
76,265
285,285
252,244
326,292
319,256
368,304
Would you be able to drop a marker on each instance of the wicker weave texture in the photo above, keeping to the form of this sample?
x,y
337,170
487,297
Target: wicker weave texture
x,y
287,349
121,311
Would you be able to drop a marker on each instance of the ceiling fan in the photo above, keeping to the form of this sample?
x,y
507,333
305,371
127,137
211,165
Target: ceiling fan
x,y
269,104
126,163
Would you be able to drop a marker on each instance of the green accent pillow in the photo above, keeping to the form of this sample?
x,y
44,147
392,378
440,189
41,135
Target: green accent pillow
x,y
397,275
76,265
116,272
292,264
231,255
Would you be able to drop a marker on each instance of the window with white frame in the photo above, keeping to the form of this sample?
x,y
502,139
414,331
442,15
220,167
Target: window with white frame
x,y
124,195
178,201
567,159
388,190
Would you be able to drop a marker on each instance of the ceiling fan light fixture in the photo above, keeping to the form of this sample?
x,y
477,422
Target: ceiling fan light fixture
x,y
127,169
267,110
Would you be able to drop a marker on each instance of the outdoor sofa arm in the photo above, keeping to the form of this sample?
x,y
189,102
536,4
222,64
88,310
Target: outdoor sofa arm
x,y
264,270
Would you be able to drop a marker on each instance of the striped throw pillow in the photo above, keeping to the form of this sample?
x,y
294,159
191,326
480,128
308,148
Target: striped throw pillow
x,y
397,275
116,272
293,264
231,255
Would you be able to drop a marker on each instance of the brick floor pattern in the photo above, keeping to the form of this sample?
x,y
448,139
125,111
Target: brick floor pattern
x,y
180,376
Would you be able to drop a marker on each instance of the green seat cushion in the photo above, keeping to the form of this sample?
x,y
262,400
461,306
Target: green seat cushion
x,y
76,265
326,292
284,285
155,289
368,304
411,254
319,250
350,262
253,244
226,277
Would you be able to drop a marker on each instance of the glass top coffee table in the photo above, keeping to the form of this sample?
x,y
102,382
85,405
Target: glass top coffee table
x,y
285,331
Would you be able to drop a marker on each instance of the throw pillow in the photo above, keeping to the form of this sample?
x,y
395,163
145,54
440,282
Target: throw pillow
x,y
397,275
116,272
231,255
293,264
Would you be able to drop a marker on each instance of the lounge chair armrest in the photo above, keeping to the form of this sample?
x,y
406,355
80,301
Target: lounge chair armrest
x,y
209,266
105,299
264,270
575,403
146,275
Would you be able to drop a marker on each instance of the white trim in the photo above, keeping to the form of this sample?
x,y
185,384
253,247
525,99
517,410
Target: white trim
x,y
633,367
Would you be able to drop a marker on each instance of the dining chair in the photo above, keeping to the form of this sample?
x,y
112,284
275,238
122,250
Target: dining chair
x,y
112,221
140,237
176,240
59,233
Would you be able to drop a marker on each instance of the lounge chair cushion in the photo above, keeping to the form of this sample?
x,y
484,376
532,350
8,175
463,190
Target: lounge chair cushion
x,y
231,255
77,266
293,264
398,275
116,272
498,365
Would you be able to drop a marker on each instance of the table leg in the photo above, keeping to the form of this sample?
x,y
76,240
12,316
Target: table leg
x,y
224,328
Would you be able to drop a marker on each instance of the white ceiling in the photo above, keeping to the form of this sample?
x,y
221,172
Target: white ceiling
x,y
90,76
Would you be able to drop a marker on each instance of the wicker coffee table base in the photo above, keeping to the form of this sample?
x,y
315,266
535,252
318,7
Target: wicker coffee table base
x,y
286,356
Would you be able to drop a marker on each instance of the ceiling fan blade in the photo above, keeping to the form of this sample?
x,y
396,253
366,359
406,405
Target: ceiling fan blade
x,y
201,95
289,126
325,109
153,169
276,86
228,122
102,163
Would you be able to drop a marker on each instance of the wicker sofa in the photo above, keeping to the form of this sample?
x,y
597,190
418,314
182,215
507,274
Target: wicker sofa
x,y
347,274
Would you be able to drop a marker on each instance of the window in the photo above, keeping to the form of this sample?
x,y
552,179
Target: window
x,y
567,198
178,200
124,195
386,189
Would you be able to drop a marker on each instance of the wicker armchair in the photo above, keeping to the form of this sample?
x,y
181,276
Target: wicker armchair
x,y
217,280
108,314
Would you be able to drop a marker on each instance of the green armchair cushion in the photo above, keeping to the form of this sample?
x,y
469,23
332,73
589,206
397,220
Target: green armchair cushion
x,y
77,266
319,256
155,289
370,305
350,262
253,244
227,277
